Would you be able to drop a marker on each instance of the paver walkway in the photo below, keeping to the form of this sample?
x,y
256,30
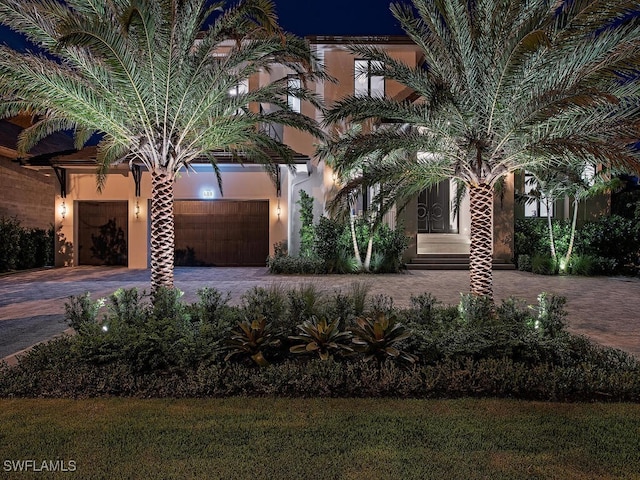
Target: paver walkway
x,y
607,309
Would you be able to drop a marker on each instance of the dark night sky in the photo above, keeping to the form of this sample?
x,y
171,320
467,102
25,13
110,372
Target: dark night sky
x,y
337,17
327,17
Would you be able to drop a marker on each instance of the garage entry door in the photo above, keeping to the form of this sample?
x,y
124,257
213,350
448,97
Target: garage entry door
x,y
102,233
221,232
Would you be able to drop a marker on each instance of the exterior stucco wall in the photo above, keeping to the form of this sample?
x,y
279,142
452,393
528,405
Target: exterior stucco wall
x,y
239,183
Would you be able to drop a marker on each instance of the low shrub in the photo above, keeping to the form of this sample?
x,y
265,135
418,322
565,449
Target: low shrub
x,y
582,265
295,265
304,302
607,246
268,302
544,264
615,238
331,250
524,263
531,236
24,247
165,335
316,378
126,346
476,310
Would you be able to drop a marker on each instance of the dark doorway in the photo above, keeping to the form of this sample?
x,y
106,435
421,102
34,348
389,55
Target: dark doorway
x,y
221,232
434,209
102,233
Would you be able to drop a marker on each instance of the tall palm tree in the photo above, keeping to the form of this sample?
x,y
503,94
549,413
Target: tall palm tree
x,y
154,78
501,85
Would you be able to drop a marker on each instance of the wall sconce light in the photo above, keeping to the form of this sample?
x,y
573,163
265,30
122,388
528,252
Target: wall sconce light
x,y
63,209
136,210
278,211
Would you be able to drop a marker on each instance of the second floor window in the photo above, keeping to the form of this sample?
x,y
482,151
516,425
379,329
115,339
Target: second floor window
x,y
367,83
240,89
293,83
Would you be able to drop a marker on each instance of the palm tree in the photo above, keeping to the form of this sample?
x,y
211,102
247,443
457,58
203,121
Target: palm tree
x,y
502,85
576,182
154,77
349,182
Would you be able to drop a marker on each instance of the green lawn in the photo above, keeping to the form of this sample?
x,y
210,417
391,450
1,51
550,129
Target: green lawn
x,y
275,439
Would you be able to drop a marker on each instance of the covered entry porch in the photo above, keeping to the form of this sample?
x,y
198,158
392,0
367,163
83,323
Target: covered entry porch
x,y
438,223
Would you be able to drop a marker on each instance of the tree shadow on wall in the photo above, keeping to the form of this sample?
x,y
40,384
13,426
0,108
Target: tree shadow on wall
x,y
186,257
65,249
110,246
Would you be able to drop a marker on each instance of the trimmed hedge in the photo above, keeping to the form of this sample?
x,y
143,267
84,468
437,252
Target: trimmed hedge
x,y
50,372
24,248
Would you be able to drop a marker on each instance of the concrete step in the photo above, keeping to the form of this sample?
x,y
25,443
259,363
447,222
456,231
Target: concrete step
x,y
437,266
442,243
502,265
436,257
450,262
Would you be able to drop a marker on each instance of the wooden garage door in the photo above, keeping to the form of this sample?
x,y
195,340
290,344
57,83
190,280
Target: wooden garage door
x,y
102,233
222,232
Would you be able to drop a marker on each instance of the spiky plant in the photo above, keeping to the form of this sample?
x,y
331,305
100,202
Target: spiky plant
x,y
249,339
321,337
501,85
153,78
379,337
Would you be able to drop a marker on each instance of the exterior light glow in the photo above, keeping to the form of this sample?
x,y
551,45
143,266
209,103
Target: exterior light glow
x,y
208,193
563,265
137,209
63,209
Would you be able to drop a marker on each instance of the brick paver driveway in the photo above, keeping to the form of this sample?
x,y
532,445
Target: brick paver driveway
x,y
606,309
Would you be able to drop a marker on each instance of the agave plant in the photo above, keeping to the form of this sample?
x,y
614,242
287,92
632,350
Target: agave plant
x,y
379,337
249,339
322,337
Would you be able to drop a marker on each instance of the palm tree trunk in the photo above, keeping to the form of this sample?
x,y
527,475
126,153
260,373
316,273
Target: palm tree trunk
x,y
367,258
552,240
162,230
567,258
354,239
481,249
